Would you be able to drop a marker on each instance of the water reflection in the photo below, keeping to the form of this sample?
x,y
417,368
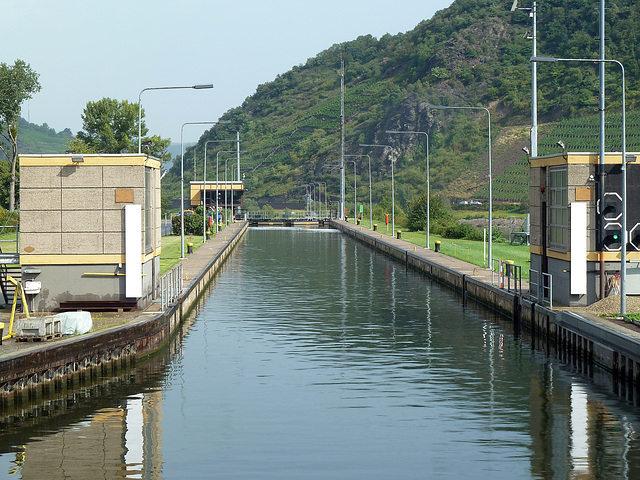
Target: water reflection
x,y
314,357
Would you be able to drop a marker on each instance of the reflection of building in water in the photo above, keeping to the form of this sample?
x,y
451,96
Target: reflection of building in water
x,y
115,443
573,433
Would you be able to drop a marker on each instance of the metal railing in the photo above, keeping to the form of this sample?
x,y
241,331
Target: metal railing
x,y
541,287
456,247
171,286
508,271
13,257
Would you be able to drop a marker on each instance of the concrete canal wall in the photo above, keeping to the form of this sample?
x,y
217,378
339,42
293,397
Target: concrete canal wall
x,y
34,370
580,337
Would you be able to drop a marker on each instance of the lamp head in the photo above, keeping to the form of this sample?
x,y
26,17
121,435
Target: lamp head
x,y
543,59
525,150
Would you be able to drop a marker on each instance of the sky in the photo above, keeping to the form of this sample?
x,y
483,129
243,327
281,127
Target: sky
x,y
85,50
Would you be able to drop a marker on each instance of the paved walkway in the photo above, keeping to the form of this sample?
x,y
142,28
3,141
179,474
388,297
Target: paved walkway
x,y
483,274
192,266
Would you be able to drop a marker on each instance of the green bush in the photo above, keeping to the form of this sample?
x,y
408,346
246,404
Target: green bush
x,y
192,224
453,229
416,218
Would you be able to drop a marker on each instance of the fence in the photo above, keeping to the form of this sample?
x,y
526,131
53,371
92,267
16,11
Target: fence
x,y
171,286
541,287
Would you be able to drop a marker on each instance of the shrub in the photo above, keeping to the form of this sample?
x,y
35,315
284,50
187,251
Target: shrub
x,y
192,224
416,218
454,229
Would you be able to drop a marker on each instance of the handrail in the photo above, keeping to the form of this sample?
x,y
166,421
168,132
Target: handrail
x,y
542,284
171,286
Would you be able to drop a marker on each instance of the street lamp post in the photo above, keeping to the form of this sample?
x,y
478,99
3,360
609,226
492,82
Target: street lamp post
x,y
325,198
370,203
195,87
225,186
393,195
440,107
623,251
355,187
182,180
427,170
204,190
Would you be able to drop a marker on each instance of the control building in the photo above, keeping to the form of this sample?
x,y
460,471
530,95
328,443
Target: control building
x,y
90,230
576,237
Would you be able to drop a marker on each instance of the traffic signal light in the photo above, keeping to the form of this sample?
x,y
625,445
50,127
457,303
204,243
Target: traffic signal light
x,y
611,222
612,237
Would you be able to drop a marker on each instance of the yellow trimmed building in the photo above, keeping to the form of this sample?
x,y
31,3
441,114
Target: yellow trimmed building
x,y
575,235
90,230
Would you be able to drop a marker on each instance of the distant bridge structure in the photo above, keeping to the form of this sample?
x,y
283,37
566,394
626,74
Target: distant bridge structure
x,y
285,219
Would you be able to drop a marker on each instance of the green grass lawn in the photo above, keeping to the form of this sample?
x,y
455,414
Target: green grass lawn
x,y
8,241
468,250
170,254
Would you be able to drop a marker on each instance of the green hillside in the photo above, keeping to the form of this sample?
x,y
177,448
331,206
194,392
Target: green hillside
x,y
34,138
471,54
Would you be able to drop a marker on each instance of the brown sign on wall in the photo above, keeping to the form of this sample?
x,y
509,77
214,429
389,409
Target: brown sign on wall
x,y
584,194
124,195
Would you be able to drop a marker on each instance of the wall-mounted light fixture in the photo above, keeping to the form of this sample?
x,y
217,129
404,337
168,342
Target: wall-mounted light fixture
x,y
77,158
525,150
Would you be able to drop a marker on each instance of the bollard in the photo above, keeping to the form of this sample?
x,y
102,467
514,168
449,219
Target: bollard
x,y
437,246
375,227
208,235
508,267
189,247
399,235
1,332
358,221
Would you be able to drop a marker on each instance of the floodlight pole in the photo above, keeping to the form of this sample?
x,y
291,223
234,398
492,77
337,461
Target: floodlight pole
x,y
195,87
370,203
393,195
533,14
490,189
427,171
182,181
204,190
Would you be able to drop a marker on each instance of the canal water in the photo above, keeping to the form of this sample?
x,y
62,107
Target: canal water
x,y
313,357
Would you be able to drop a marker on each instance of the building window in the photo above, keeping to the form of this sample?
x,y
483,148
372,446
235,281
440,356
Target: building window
x,y
558,208
148,211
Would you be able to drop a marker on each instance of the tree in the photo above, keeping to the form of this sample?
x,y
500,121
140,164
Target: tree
x,y
111,126
417,213
17,84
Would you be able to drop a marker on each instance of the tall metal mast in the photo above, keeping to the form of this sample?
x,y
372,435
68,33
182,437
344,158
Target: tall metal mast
x,y
602,150
341,216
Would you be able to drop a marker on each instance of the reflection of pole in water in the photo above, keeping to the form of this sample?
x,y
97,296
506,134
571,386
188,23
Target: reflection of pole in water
x,y
579,432
343,288
393,301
